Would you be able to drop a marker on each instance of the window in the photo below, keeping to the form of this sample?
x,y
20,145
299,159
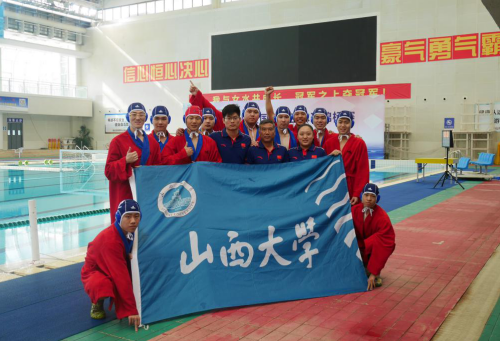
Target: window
x,y
29,27
160,6
133,10
38,67
117,13
197,3
141,9
169,5
58,33
13,24
108,14
99,15
188,4
44,31
150,6
125,12
177,4
71,36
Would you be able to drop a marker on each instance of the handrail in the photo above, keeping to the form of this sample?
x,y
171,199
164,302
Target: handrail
x,y
42,88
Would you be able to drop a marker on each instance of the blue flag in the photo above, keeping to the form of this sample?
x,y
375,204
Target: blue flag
x,y
223,235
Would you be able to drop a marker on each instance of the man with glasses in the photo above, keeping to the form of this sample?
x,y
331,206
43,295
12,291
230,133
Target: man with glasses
x,y
232,144
127,150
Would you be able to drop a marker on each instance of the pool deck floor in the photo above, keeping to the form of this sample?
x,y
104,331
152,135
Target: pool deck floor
x,y
443,243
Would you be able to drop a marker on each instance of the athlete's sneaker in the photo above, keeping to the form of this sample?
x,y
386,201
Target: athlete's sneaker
x,y
97,311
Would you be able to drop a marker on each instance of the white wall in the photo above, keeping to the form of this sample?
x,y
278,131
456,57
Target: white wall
x,y
185,35
47,117
37,129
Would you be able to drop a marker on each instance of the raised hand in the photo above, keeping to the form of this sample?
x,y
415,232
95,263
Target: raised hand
x,y
269,90
193,89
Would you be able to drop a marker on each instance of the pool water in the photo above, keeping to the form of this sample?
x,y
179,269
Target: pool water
x,y
54,237
55,193
385,177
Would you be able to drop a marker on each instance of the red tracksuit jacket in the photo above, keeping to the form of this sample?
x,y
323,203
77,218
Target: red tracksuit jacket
x,y
209,151
355,157
118,171
376,237
106,272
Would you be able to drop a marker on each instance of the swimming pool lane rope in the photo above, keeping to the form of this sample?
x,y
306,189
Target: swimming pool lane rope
x,y
55,218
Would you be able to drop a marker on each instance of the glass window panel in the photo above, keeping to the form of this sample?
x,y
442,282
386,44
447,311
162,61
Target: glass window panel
x,y
150,6
197,3
44,30
160,6
117,13
177,4
29,27
13,24
188,3
108,14
169,5
71,36
125,12
141,9
133,10
58,33
99,15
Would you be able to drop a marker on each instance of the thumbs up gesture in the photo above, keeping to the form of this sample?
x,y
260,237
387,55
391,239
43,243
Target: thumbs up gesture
x,y
189,150
131,157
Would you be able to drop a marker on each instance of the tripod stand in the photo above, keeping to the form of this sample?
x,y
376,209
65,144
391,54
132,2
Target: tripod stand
x,y
447,174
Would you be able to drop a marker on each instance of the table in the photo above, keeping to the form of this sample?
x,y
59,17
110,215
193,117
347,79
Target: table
x,y
427,160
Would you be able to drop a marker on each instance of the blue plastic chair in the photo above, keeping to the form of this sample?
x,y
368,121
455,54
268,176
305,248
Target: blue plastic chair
x,y
463,163
484,160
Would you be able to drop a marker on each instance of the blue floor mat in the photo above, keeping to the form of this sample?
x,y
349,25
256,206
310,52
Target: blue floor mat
x,y
396,196
51,305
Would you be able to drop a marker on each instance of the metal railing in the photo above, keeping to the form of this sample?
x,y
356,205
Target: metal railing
x,y
42,88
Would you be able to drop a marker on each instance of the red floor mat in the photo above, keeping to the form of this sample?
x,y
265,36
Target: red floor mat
x,y
439,253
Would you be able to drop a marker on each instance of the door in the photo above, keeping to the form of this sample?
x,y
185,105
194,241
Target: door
x,y
15,133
